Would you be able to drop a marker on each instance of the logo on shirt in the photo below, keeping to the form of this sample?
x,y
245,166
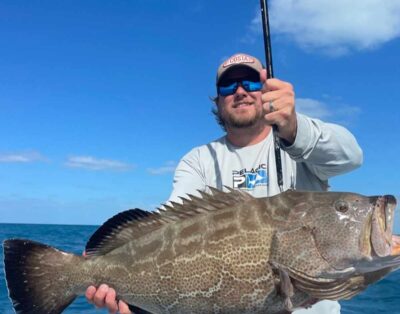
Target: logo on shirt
x,y
250,179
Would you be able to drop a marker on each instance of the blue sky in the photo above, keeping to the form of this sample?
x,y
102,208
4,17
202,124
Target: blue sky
x,y
100,99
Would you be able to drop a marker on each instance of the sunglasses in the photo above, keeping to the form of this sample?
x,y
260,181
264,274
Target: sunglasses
x,y
249,86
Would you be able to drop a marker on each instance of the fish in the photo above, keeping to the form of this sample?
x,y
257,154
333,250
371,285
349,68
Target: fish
x,y
218,252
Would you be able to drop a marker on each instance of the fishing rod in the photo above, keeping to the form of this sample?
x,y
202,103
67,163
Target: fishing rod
x,y
270,74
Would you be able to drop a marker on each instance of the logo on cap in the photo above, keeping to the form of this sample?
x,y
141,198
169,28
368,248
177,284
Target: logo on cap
x,y
238,59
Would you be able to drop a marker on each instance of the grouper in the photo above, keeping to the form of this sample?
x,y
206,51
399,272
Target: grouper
x,y
221,252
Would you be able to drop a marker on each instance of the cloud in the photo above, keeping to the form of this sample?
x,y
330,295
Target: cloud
x,y
169,167
91,163
313,108
254,29
333,27
22,157
334,110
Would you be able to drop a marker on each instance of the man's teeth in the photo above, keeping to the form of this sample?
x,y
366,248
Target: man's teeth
x,y
242,105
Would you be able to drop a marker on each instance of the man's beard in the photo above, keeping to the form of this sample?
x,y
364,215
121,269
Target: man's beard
x,y
239,122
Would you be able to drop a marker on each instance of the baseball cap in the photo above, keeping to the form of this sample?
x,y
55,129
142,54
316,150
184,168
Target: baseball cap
x,y
239,59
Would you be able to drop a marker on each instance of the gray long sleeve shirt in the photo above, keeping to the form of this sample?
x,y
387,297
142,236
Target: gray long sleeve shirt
x,y
320,151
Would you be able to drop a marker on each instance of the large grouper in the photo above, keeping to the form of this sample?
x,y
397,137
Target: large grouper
x,y
223,252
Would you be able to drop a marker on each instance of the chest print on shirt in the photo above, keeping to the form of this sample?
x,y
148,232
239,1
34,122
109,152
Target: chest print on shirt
x,y
249,179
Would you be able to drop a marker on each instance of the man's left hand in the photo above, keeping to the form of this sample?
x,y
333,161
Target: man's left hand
x,y
279,106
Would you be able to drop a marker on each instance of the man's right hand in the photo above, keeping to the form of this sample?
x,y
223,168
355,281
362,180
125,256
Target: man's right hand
x,y
105,296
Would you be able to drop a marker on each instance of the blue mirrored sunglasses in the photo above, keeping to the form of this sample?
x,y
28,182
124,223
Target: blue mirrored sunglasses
x,y
230,89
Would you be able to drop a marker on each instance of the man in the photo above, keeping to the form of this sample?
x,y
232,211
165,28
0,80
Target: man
x,y
247,105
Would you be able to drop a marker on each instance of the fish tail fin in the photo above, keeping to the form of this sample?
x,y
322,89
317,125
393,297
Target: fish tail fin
x,y
36,277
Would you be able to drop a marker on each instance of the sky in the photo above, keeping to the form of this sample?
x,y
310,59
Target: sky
x,y
99,100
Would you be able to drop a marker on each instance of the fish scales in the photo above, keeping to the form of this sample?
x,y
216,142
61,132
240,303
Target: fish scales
x,y
221,253
225,259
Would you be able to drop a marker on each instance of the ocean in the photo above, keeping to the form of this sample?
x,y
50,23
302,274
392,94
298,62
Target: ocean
x,y
382,298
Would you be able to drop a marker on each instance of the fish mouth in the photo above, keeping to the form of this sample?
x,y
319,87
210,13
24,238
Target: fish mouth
x,y
380,247
383,242
395,245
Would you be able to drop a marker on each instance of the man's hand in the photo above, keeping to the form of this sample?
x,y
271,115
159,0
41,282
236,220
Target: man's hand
x,y
278,103
105,296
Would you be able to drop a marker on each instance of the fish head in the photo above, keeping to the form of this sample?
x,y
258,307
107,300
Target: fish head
x,y
351,230
333,245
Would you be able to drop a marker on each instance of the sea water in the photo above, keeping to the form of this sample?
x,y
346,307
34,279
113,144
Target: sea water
x,y
382,297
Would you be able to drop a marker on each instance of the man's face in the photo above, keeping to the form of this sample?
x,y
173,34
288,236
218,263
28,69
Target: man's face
x,y
242,109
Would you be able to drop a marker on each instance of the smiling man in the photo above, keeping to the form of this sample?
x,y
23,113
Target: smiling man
x,y
247,105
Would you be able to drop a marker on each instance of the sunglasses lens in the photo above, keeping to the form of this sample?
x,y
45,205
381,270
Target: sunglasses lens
x,y
251,86
230,89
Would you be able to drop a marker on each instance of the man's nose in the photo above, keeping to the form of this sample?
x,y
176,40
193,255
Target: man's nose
x,y
240,91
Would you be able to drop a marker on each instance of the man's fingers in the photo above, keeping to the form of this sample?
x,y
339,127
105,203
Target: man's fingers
x,y
100,295
279,117
283,95
275,84
272,118
263,75
104,296
111,302
271,96
123,308
89,294
277,104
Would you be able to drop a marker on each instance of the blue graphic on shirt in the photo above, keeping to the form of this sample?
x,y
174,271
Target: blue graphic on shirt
x,y
250,179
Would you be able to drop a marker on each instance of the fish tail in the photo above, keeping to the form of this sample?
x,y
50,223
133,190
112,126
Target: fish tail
x,y
36,276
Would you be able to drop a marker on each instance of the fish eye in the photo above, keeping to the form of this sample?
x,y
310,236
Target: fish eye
x,y
342,206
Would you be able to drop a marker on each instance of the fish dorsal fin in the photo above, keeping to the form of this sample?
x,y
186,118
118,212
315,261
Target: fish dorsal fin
x,y
207,202
118,230
133,223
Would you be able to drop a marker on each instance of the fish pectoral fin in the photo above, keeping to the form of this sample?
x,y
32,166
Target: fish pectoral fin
x,y
286,289
137,310
327,288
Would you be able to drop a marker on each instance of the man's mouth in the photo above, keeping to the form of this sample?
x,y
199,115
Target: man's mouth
x,y
241,105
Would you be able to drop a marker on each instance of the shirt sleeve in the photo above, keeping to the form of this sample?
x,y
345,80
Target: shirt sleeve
x,y
327,149
189,177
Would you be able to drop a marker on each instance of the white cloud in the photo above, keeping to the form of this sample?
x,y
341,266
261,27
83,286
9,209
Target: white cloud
x,y
22,157
254,30
333,111
313,108
333,27
169,167
91,163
